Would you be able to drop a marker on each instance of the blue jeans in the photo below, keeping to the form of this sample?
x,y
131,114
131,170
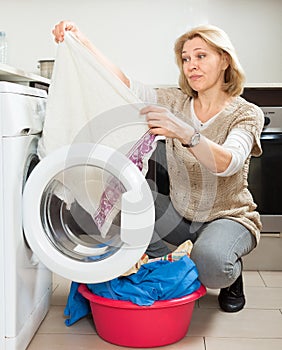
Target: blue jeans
x,y
218,245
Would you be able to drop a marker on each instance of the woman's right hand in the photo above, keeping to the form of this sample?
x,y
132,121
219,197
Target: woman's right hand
x,y
60,29
59,34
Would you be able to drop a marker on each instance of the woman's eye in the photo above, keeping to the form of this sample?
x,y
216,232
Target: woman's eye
x,y
185,59
201,56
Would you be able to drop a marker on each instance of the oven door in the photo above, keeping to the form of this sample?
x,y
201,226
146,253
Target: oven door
x,y
88,213
265,181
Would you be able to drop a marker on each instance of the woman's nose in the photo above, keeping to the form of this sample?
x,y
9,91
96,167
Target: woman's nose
x,y
193,64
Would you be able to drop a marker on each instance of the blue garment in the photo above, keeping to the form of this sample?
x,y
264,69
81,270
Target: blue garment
x,y
160,280
77,306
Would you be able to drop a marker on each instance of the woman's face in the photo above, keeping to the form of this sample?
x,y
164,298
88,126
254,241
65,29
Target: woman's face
x,y
202,65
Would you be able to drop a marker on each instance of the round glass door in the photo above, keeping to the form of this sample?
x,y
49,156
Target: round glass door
x,y
88,213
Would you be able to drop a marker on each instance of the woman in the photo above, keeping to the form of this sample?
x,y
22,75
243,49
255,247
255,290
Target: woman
x,y
211,133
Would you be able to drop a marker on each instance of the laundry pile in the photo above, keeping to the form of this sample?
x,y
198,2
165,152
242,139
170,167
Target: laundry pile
x,y
184,249
172,276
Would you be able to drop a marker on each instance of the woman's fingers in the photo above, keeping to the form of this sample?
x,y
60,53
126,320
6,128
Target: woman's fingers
x,y
150,116
152,108
157,131
162,122
157,118
59,32
60,29
154,113
153,123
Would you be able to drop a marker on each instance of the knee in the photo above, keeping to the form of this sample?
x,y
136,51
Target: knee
x,y
215,269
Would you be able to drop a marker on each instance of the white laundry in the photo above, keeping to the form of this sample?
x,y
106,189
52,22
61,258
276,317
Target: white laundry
x,y
88,103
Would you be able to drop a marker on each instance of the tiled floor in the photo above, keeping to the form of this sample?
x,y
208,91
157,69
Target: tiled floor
x,y
257,327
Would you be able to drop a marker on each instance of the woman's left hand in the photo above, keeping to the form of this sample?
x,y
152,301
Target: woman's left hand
x,y
162,122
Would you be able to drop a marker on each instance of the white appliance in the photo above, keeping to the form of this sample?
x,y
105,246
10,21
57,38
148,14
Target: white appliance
x,y
25,282
42,218
64,235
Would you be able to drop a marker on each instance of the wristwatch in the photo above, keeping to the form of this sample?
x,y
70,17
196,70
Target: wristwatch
x,y
195,139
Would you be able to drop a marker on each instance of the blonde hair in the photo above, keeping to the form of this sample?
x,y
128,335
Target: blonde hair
x,y
234,76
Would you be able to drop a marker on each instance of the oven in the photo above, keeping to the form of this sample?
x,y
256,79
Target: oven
x,y
265,175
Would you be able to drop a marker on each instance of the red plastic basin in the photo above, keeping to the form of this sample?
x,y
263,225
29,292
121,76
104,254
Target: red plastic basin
x,y
125,323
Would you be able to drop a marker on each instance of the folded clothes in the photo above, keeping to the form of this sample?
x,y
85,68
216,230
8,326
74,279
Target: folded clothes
x,y
159,280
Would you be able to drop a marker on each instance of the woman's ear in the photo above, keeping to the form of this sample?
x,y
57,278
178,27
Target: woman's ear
x,y
225,60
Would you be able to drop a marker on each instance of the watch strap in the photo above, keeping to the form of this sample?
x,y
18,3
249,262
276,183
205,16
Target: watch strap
x,y
195,139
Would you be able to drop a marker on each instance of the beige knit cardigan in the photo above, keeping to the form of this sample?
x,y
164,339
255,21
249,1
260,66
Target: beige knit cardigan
x,y
196,193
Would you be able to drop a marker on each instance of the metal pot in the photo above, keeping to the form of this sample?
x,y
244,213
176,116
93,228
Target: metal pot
x,y
46,68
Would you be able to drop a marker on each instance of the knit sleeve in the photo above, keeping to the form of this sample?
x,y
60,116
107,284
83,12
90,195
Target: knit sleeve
x,y
250,118
144,92
172,98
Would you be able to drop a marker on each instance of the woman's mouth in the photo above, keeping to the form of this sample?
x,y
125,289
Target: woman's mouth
x,y
195,77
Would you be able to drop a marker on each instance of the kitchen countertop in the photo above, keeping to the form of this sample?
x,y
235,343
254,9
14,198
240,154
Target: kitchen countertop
x,y
247,85
263,85
9,73
12,74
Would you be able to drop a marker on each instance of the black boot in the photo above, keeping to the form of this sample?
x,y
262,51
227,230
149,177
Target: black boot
x,y
232,299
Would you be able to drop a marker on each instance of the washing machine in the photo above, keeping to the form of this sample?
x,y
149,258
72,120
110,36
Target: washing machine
x,y
26,284
85,212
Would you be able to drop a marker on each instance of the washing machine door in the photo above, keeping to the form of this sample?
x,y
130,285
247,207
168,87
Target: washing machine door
x,y
88,213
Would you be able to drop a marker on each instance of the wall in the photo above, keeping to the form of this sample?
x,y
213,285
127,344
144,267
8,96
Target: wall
x,y
139,35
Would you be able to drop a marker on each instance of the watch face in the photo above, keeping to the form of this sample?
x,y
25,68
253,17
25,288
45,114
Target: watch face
x,y
195,139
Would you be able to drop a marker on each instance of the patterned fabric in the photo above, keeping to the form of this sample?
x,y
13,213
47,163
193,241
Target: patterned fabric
x,y
184,249
113,191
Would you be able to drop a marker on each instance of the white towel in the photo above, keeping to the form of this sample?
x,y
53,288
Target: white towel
x,y
88,103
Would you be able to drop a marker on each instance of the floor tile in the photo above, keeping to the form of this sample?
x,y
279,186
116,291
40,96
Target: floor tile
x,y
210,299
57,279
253,278
259,296
54,323
195,343
266,256
272,278
242,344
248,323
69,341
93,342
263,298
60,292
257,327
